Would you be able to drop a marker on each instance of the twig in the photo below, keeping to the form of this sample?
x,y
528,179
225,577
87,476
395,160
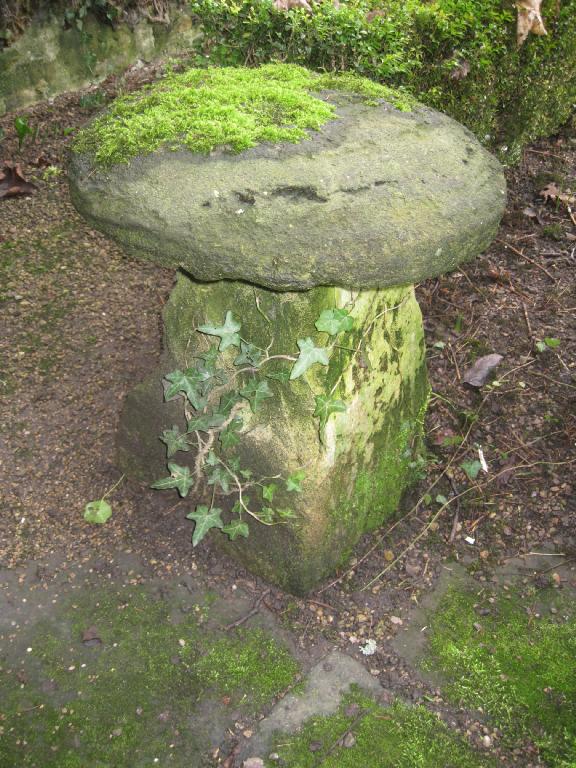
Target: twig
x,y
455,498
518,252
252,612
548,154
530,334
549,378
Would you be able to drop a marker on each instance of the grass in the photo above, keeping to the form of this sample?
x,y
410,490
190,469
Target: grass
x,y
516,665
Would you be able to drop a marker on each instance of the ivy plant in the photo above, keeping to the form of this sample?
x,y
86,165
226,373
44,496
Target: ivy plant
x,y
229,378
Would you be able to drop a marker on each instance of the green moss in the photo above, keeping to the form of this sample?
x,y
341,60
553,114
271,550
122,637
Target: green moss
x,y
129,699
518,668
399,736
251,663
237,108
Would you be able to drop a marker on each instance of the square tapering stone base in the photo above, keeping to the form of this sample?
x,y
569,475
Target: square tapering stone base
x,y
356,468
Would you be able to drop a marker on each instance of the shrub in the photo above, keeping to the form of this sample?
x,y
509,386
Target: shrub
x,y
458,56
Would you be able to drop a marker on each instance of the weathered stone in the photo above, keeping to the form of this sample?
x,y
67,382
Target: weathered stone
x,y
49,59
355,476
375,198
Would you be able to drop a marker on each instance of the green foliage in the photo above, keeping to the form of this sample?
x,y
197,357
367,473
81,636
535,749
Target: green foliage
x,y
398,736
97,511
216,389
309,355
326,406
548,343
513,662
23,129
205,519
471,468
235,108
458,56
334,321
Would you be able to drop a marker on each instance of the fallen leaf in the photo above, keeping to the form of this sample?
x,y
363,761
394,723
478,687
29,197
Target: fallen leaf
x,y
529,20
552,192
477,375
461,70
349,741
91,637
388,555
12,183
396,620
286,5
253,762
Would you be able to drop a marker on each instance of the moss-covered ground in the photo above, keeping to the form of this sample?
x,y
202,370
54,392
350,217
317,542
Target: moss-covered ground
x,y
513,658
363,733
230,107
125,678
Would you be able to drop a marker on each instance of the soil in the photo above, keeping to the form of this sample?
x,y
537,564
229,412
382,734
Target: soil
x,y
81,325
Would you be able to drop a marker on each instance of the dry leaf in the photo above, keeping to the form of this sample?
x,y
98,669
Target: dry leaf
x,y
552,192
461,70
286,5
12,183
477,375
529,20
376,14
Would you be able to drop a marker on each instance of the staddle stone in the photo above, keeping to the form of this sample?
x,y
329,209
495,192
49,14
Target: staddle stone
x,y
299,195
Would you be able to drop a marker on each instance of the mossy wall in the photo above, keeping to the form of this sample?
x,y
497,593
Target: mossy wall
x,y
459,56
51,58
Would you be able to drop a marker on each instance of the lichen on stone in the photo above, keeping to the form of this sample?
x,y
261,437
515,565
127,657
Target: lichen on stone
x,y
232,107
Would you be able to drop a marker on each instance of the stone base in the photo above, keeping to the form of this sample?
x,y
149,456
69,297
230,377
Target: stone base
x,y
356,468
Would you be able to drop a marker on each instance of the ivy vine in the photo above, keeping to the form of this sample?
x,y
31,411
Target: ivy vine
x,y
214,399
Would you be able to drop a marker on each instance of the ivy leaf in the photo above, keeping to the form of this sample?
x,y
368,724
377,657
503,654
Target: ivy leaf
x,y
268,491
325,406
309,354
246,474
256,392
266,514
249,355
180,478
471,468
228,401
229,437
294,482
188,382
97,511
175,441
334,321
285,514
205,519
210,357
228,333
212,460
206,422
236,528
220,476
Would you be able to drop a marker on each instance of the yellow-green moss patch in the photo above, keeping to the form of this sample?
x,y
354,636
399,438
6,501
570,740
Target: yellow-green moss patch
x,y
364,734
232,107
512,657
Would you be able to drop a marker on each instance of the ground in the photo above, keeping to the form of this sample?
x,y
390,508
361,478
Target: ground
x,y
81,325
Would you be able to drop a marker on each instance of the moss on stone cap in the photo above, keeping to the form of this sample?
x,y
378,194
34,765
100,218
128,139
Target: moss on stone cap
x,y
232,107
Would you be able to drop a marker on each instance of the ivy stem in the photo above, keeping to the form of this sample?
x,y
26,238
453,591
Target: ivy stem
x,y
116,484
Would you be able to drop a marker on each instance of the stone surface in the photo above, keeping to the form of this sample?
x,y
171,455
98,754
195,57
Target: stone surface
x,y
325,685
48,59
355,476
375,198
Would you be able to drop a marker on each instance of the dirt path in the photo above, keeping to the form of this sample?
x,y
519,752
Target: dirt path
x,y
80,325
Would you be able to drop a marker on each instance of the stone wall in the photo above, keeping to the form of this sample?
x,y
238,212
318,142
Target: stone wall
x,y
49,59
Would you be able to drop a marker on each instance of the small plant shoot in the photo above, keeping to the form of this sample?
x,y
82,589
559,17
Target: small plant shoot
x,y
220,390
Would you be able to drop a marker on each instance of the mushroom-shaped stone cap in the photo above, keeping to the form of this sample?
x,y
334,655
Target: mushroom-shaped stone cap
x,y
373,197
